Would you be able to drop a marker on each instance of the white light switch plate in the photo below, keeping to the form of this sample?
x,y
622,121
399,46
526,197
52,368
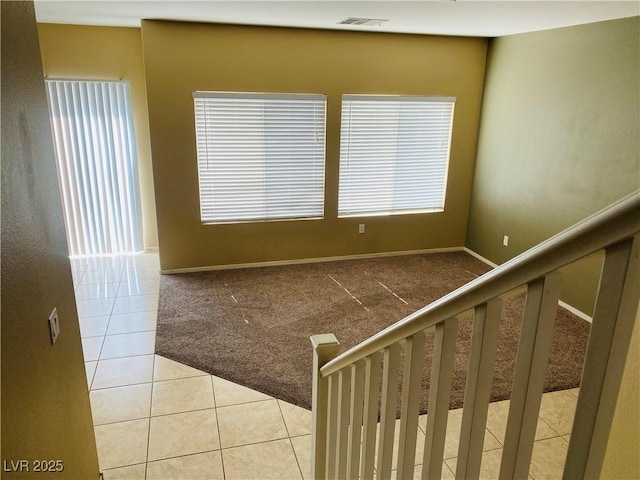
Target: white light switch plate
x,y
54,326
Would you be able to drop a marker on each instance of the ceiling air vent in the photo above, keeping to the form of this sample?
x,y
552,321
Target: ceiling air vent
x,y
369,22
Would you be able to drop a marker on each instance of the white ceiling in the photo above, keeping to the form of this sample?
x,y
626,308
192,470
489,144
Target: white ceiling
x,y
462,17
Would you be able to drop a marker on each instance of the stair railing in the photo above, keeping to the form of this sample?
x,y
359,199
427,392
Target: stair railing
x,y
346,442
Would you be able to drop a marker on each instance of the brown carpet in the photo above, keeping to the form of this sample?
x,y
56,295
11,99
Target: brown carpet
x,y
252,326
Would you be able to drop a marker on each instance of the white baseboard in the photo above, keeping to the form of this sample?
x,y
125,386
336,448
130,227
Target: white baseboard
x,y
574,310
480,257
300,261
310,260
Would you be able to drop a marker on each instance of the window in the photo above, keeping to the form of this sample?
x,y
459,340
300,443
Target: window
x,y
394,154
260,156
95,152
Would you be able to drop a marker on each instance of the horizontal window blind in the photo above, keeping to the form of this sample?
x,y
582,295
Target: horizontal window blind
x,y
394,154
260,156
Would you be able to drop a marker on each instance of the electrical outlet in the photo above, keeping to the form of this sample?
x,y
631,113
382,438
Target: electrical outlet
x,y
54,326
505,241
361,228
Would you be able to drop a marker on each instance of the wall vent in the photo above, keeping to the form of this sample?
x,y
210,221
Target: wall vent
x,y
375,22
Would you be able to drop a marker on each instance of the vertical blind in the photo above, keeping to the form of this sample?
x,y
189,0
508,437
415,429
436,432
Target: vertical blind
x,y
96,157
260,156
394,154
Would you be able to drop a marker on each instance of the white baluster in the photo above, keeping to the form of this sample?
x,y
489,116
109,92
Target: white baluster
x,y
484,339
539,317
411,387
613,321
388,410
371,396
444,349
355,416
332,425
325,347
344,391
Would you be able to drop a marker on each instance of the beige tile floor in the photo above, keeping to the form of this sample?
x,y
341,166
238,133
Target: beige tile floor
x,y
158,419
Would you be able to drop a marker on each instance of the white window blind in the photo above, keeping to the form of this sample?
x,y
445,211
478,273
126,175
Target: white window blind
x,y
95,150
394,154
260,156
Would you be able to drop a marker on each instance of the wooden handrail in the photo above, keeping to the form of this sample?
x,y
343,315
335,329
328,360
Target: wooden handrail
x,y
613,224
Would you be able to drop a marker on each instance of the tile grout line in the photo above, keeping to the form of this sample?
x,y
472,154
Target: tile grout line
x,y
93,376
138,311
153,372
125,384
244,403
125,466
215,403
558,434
181,412
75,287
446,465
173,457
253,443
116,334
127,356
289,438
146,464
107,329
147,312
493,436
130,333
93,284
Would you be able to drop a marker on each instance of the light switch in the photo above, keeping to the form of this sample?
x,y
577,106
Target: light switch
x,y
54,326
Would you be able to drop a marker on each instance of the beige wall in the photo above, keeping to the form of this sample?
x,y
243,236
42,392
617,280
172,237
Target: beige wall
x,y
622,459
45,399
107,53
183,57
559,139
